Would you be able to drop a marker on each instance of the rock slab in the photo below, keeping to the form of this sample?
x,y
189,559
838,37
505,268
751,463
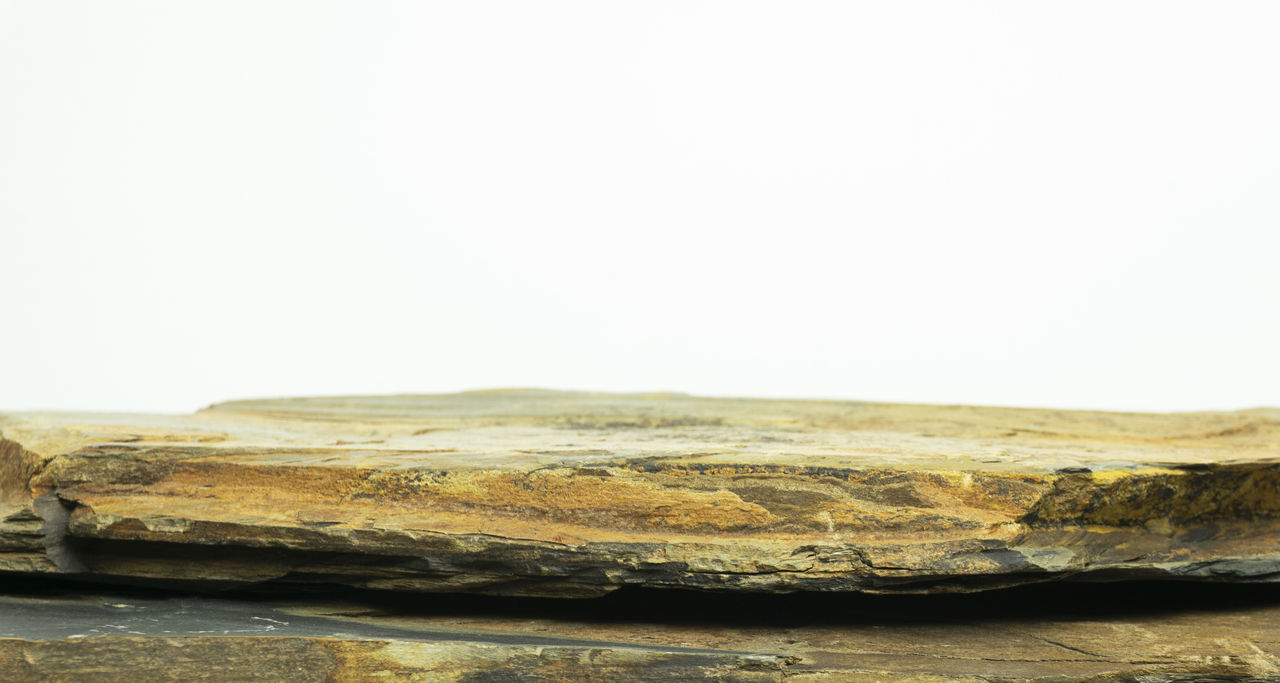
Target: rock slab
x,y
541,493
1148,633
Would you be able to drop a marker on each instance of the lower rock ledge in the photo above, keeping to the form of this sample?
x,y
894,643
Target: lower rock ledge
x,y
1052,633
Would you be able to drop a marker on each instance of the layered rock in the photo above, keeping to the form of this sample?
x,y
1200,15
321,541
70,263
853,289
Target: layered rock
x,y
1138,633
568,494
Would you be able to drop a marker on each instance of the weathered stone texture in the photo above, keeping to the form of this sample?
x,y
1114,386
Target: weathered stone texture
x,y
569,494
1041,635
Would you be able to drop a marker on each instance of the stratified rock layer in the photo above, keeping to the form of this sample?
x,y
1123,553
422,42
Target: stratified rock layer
x,y
1130,633
566,494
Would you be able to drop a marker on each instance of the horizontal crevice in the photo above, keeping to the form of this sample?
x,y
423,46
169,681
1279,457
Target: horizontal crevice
x,y
1046,601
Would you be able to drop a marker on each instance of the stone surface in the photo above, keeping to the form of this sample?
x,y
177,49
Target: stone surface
x,y
568,494
1147,632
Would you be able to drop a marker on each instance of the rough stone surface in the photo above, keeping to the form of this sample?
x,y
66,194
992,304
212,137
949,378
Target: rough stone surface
x,y
569,494
1066,633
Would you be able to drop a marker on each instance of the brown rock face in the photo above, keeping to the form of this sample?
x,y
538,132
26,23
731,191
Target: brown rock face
x,y
568,494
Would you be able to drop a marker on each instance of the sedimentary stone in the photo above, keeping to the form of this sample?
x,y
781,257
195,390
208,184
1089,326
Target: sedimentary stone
x,y
1149,633
570,494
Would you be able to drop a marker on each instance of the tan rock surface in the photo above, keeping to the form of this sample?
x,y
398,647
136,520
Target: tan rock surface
x,y
549,493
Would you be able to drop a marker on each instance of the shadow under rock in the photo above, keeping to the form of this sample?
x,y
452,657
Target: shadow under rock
x,y
1057,600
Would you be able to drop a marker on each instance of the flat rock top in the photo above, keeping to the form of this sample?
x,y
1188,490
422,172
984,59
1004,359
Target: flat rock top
x,y
526,429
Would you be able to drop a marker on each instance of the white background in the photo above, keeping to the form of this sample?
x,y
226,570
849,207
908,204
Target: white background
x,y
1070,204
